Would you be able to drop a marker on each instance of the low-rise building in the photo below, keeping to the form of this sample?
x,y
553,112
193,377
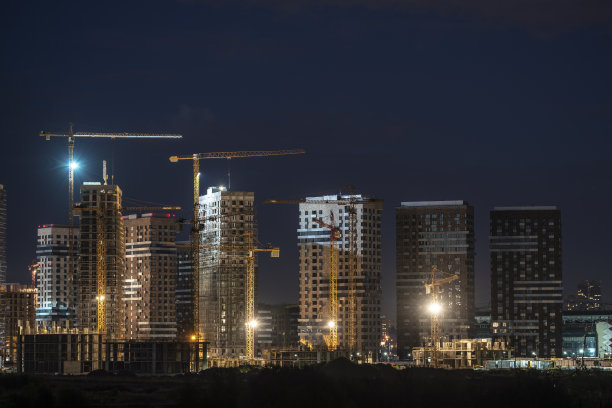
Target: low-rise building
x,y
17,310
468,353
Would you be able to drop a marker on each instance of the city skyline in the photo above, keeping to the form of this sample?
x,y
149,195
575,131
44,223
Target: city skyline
x,y
494,110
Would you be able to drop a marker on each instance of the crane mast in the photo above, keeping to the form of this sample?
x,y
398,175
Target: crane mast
x,y
101,268
334,233
251,322
352,272
195,248
433,289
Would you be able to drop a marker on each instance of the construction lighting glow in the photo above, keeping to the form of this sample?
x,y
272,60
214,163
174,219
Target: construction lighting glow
x,y
331,324
435,308
74,165
252,323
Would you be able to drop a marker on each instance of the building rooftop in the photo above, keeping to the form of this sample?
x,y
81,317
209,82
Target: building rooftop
x,y
527,208
432,203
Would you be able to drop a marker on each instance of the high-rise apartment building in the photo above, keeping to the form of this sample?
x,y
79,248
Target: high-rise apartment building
x,y
226,217
17,309
588,295
526,279
101,248
56,273
149,282
184,293
428,234
3,221
313,246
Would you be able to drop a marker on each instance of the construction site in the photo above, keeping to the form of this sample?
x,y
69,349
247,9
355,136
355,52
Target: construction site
x,y
135,298
116,289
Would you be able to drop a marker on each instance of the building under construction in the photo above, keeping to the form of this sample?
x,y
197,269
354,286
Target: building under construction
x,y
17,310
61,350
466,353
428,234
226,218
184,292
101,260
150,276
315,264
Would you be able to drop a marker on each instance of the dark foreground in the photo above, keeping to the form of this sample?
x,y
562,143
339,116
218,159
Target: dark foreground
x,y
339,384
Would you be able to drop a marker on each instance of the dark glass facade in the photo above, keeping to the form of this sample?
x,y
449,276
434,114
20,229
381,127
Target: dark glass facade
x,y
526,279
429,233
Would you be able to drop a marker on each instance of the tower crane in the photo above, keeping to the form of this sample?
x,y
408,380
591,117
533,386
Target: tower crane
x,y
432,288
334,234
250,321
195,227
350,203
71,137
33,268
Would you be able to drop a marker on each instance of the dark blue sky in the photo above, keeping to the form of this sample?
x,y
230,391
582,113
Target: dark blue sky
x,y
494,104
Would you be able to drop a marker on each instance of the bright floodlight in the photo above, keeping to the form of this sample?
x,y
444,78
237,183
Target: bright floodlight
x,y
435,308
331,324
74,165
252,323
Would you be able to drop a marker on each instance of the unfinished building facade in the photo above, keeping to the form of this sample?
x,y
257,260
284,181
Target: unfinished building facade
x,y
101,255
149,282
314,258
17,310
226,218
184,292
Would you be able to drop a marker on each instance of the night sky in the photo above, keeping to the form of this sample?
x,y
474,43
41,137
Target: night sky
x,y
496,103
